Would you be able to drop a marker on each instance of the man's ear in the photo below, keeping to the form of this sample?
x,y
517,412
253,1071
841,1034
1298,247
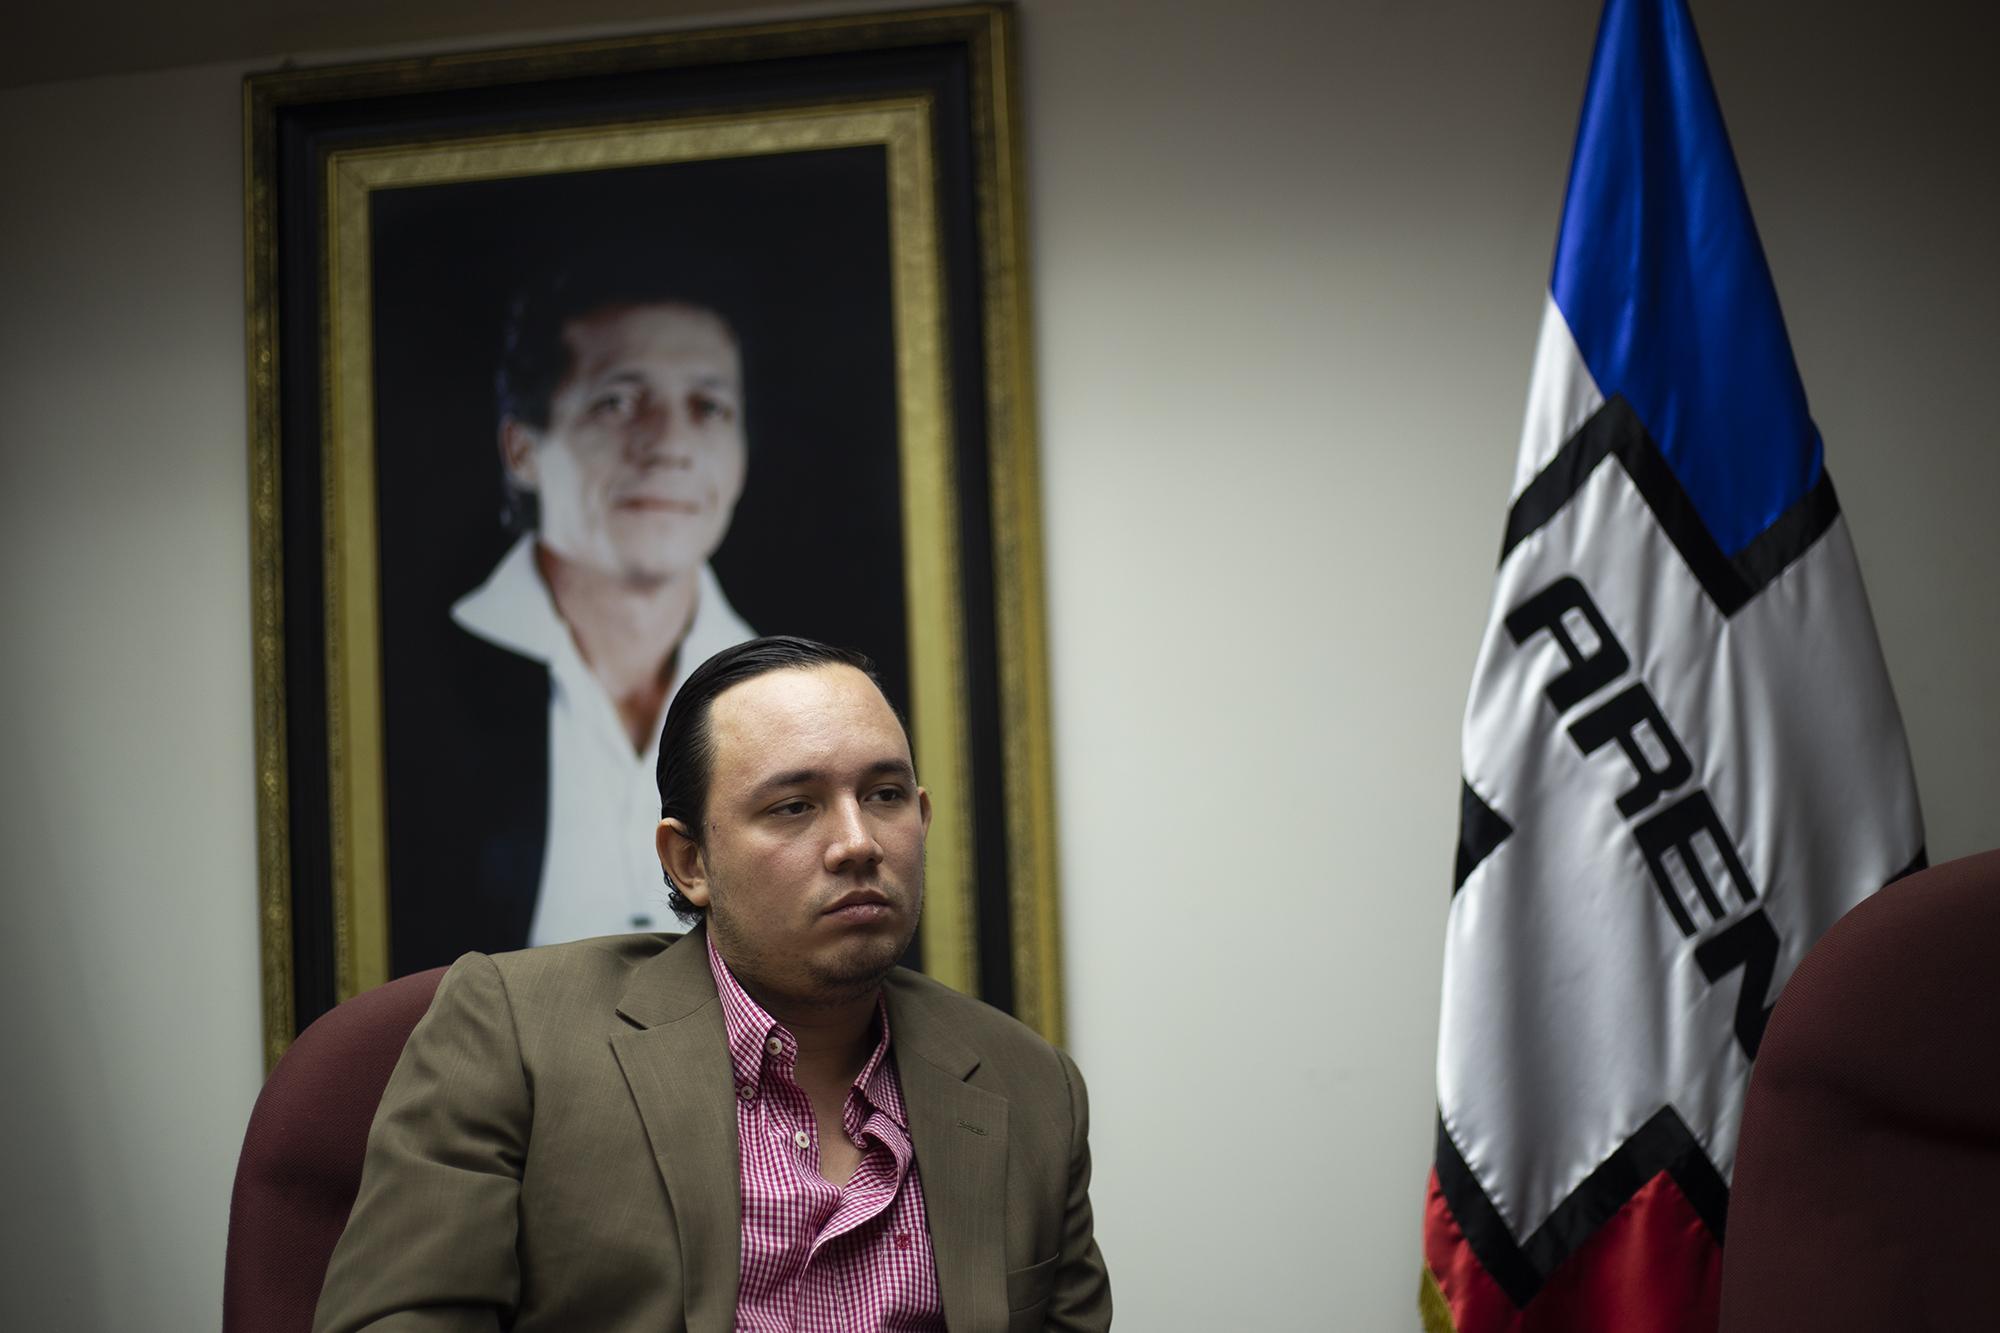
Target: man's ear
x,y
517,453
924,808
680,857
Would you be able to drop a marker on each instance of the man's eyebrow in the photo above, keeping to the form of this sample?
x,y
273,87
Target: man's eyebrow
x,y
633,375
801,777
797,777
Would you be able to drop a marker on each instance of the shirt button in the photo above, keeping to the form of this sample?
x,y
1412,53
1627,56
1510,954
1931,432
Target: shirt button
x,y
803,1139
774,1046
744,1090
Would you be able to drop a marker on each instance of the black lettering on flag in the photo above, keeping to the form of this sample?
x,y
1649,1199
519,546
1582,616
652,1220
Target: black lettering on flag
x,y
1675,829
1752,945
1688,852
1621,718
1589,671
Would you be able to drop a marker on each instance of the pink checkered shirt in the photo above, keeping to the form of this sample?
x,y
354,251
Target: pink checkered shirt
x,y
820,1258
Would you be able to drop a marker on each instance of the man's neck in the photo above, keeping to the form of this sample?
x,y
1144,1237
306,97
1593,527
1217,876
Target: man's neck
x,y
836,1034
835,1039
625,629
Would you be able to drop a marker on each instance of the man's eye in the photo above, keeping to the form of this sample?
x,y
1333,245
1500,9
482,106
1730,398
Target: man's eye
x,y
889,794
703,407
790,808
617,403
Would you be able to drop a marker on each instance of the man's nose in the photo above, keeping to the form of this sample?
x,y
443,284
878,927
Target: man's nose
x,y
658,434
852,844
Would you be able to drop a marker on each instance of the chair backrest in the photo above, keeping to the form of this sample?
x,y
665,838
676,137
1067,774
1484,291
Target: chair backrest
x,y
301,1162
1870,1150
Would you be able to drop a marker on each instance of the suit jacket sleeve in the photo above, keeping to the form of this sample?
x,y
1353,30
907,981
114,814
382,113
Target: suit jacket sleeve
x,y
1081,1302
430,1243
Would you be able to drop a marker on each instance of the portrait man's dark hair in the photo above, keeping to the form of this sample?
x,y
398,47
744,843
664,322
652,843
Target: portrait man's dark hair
x,y
687,746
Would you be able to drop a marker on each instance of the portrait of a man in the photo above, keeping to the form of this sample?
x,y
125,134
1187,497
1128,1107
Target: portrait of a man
x,y
621,436
572,366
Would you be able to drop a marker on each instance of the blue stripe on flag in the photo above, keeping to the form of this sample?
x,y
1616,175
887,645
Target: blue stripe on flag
x,y
1663,282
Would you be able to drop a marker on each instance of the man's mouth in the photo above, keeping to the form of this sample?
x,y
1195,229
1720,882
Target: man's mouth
x,y
658,504
860,907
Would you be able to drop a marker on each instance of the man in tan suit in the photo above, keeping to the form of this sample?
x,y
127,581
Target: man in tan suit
x,y
765,1124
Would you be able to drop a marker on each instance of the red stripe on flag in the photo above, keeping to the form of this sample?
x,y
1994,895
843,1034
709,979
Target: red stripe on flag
x,y
1653,1268
1476,1301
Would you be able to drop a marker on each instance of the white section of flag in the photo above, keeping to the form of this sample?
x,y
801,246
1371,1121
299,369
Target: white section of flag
x,y
1561,397
1573,1006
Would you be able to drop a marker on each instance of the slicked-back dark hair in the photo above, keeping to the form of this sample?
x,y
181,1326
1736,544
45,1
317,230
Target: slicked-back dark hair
x,y
687,744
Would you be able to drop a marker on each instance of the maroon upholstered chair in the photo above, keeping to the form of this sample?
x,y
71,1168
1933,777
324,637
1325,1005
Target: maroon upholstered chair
x,y
301,1162
1869,1164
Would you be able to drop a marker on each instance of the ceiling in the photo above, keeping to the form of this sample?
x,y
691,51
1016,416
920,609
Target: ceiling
x,y
85,38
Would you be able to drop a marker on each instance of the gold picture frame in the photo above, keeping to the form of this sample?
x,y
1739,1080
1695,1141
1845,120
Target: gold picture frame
x,y
348,405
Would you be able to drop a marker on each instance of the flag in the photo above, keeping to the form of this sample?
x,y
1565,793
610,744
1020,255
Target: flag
x,y
1682,759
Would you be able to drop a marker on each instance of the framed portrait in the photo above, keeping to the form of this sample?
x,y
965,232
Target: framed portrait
x,y
572,365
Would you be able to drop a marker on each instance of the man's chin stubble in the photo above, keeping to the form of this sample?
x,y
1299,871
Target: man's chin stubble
x,y
847,980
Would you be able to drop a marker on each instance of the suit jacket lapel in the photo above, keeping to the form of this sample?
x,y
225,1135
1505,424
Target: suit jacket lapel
x,y
960,1135
676,1063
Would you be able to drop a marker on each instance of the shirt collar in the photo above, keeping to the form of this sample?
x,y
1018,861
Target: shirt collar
x,y
755,1037
514,610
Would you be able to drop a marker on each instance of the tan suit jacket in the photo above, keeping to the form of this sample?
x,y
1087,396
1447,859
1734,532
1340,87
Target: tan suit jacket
x,y
557,1150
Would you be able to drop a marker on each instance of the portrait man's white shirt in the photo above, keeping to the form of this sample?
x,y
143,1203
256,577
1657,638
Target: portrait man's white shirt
x,y
600,874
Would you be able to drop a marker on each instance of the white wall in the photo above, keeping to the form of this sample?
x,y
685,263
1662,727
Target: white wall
x,y
128,968
1288,260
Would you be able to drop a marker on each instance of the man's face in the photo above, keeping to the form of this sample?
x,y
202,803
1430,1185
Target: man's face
x,y
812,863
643,459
